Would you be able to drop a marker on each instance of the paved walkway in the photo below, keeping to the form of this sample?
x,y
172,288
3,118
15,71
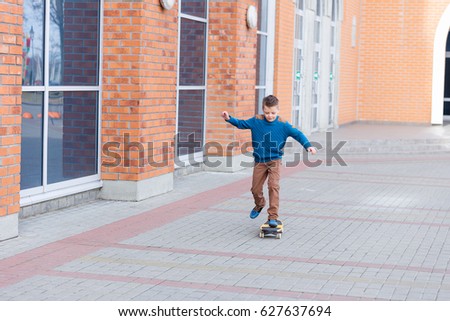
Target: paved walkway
x,y
376,229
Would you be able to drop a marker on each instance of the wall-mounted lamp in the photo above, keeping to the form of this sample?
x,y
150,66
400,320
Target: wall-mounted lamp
x,y
252,17
167,4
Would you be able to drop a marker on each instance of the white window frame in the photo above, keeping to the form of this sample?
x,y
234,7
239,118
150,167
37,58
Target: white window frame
x,y
199,156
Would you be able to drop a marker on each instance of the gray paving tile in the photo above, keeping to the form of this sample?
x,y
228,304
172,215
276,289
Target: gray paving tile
x,y
376,229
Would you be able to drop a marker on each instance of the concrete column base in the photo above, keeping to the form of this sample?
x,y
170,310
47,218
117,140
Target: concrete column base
x,y
228,163
9,226
136,190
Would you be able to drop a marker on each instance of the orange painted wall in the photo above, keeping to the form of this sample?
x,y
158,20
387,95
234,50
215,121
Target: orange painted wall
x,y
284,56
396,56
348,64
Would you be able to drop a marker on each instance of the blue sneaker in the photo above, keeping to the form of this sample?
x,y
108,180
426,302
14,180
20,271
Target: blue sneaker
x,y
254,213
273,223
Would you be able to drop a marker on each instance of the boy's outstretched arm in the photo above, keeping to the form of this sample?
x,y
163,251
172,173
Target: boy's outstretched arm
x,y
241,124
301,138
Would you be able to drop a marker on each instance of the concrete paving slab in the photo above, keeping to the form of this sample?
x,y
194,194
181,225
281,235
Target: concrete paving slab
x,y
376,229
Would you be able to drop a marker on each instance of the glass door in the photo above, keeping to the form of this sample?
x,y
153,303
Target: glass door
x,y
298,64
331,84
315,101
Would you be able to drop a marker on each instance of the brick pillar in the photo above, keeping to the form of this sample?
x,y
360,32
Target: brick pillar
x,y
139,99
231,82
10,118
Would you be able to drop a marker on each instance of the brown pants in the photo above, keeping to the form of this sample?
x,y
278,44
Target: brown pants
x,y
261,172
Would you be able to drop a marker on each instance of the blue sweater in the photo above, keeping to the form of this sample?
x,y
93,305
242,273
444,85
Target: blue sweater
x,y
269,138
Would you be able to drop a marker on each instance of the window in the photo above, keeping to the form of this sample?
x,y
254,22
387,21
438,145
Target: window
x,y
264,56
61,91
192,77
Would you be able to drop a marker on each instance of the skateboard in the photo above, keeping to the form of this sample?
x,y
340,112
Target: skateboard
x,y
266,230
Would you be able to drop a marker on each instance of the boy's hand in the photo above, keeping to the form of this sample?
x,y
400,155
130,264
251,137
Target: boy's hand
x,y
312,150
225,115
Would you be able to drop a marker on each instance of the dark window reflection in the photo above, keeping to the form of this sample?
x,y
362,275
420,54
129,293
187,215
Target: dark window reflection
x,y
194,7
448,43
446,108
192,53
190,122
74,42
31,149
447,78
72,135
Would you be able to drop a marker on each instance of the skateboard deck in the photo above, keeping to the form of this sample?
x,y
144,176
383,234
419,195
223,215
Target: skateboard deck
x,y
266,230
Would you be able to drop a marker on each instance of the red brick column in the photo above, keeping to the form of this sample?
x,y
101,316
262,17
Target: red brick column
x,y
10,118
139,99
231,80
284,57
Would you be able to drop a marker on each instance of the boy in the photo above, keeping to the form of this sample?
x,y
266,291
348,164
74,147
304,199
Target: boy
x,y
269,135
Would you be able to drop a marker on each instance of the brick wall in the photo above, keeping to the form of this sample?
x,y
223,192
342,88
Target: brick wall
x,y
231,72
396,59
139,88
10,107
284,59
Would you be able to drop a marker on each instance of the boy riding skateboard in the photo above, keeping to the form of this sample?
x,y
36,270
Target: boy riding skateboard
x,y
269,135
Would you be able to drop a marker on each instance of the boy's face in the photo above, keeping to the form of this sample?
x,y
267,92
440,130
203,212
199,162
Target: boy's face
x,y
271,113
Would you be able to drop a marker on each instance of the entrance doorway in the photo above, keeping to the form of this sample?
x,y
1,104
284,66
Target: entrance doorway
x,y
447,81
441,57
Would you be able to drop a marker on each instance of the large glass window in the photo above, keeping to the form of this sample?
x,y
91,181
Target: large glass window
x,y
192,76
60,78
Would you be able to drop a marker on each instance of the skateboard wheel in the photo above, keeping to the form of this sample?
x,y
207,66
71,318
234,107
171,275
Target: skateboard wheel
x,y
261,235
278,236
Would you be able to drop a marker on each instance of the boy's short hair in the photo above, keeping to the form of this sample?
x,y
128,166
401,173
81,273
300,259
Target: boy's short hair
x,y
270,101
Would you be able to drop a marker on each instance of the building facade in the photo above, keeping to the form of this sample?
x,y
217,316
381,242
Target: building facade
x,y
111,99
